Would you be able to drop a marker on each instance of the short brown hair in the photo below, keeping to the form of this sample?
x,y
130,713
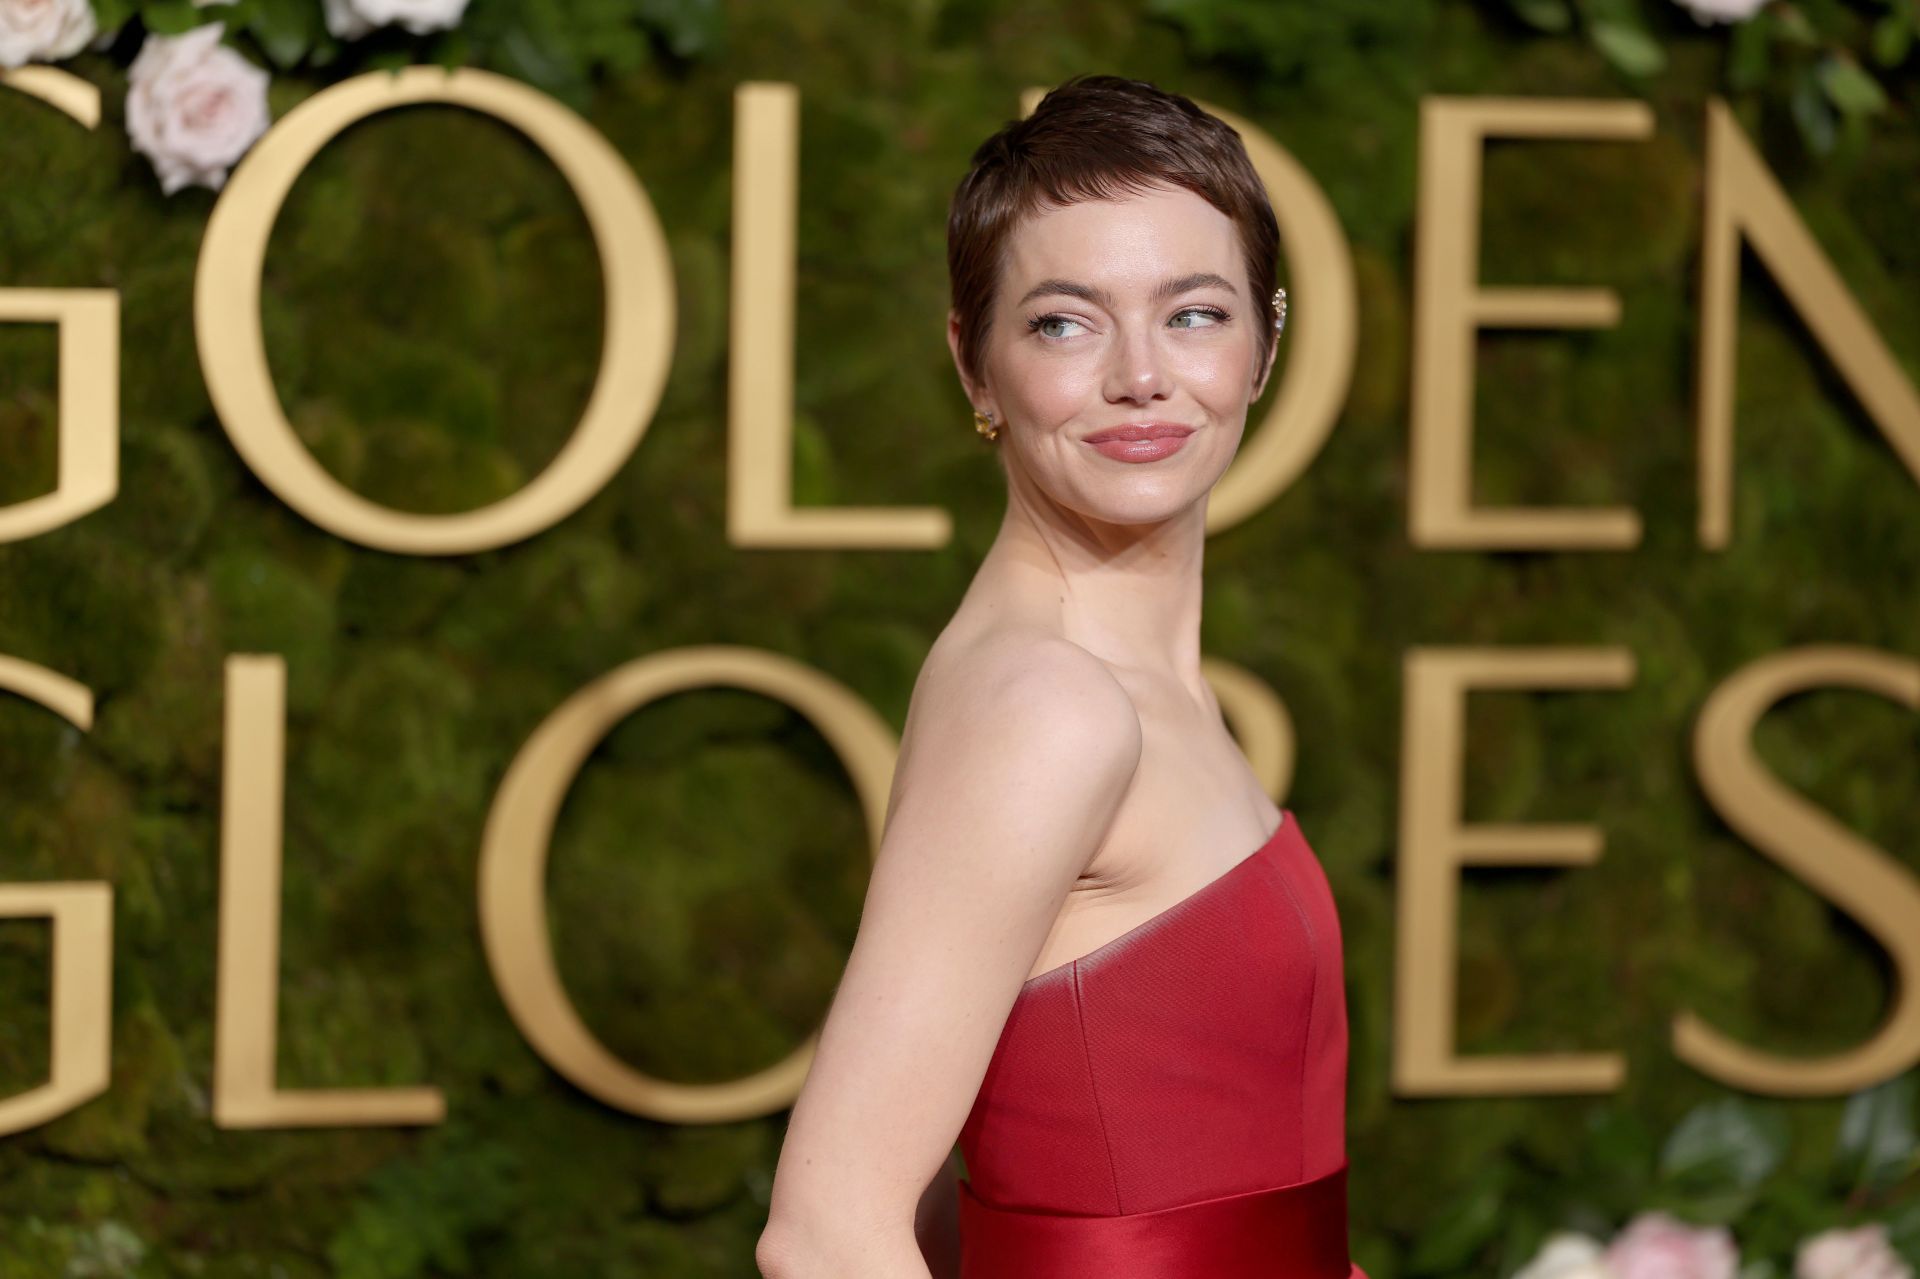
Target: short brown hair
x,y
1098,137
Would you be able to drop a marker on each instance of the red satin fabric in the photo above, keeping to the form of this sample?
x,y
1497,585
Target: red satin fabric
x,y
1172,1105
1288,1232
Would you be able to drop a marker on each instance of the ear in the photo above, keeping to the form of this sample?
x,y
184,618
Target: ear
x,y
1266,371
975,391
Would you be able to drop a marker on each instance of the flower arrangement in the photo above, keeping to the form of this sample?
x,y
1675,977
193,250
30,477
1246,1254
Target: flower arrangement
x,y
1657,1245
1815,55
198,80
1725,1195
1828,64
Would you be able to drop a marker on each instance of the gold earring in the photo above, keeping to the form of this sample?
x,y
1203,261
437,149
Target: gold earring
x,y
1280,310
983,423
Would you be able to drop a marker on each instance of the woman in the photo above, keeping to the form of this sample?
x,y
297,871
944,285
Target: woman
x,y
1068,959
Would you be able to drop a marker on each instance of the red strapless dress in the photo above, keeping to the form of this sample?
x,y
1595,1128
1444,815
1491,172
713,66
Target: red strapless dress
x,y
1172,1105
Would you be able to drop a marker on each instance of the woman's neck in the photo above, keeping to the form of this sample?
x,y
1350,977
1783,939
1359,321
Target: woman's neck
x,y
1128,593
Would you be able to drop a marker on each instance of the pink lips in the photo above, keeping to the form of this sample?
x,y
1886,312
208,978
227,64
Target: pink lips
x,y
1140,441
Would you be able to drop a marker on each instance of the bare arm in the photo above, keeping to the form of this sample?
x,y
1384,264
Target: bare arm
x,y
1014,762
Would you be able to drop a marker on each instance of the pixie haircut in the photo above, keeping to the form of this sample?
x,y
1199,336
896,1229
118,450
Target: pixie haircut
x,y
1098,137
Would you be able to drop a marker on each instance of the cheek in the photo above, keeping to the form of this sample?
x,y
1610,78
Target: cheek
x,y
1051,388
1216,373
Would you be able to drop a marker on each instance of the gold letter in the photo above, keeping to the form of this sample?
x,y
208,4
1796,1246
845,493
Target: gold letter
x,y
1874,890
62,90
1435,844
1742,198
513,862
246,1012
1450,307
760,510
82,918
88,325
638,343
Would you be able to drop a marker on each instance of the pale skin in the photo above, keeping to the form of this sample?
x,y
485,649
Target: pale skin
x,y
1064,772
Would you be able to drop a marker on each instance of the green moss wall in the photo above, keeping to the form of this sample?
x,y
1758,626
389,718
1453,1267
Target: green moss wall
x,y
432,311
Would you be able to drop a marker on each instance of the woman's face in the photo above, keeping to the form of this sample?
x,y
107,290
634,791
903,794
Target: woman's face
x,y
1117,317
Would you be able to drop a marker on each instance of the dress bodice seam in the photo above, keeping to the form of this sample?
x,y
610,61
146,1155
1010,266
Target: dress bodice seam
x,y
1313,1005
1093,1083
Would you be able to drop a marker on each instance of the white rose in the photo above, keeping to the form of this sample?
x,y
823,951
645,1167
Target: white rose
x,y
42,30
1860,1253
1705,11
194,106
1567,1255
351,19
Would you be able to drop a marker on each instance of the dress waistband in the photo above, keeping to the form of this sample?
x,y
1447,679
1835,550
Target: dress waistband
x,y
1284,1232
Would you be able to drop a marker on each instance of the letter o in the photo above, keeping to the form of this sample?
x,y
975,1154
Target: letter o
x,y
636,352
519,830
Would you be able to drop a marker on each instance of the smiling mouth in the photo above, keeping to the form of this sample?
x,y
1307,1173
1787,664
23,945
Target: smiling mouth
x,y
1140,441
1135,431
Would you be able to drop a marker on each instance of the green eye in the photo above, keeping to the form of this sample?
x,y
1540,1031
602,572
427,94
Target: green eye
x,y
1207,316
1045,325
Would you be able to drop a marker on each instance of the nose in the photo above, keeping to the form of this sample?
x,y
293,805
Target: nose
x,y
1137,369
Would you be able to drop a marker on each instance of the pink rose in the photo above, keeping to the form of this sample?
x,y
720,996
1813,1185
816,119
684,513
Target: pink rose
x,y
194,106
42,30
1705,11
1655,1245
1860,1253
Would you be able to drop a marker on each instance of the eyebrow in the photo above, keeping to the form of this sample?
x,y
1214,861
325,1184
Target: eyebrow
x,y
1095,294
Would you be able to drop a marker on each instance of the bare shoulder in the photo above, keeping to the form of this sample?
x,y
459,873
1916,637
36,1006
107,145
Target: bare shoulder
x,y
1030,692
1019,750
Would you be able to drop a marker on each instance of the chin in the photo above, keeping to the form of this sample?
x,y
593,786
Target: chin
x,y
1139,501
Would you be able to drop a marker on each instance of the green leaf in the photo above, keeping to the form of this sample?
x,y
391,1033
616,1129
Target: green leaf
x,y
1877,1145
1724,1144
1812,113
452,50
1465,1228
536,62
1850,88
286,30
1749,56
1620,1147
1198,22
1903,1229
1544,15
1893,38
621,51
109,14
1621,13
687,27
1792,24
1629,48
172,17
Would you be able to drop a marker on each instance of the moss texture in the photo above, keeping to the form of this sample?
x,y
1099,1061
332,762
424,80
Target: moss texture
x,y
432,312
